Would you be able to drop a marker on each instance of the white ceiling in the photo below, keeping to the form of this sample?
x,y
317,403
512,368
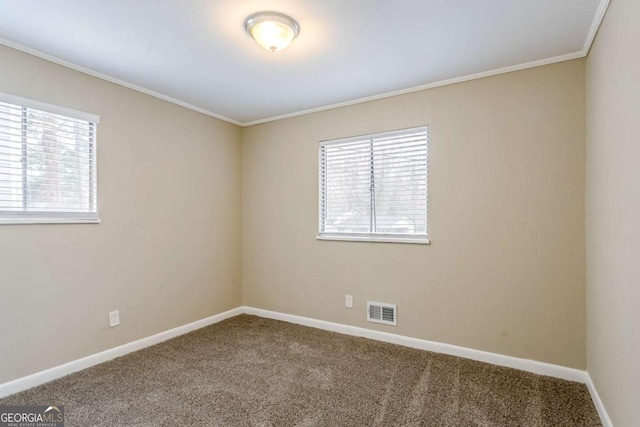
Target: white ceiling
x,y
196,52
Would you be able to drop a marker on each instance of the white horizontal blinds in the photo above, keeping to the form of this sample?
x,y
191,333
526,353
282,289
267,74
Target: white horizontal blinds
x,y
47,163
375,184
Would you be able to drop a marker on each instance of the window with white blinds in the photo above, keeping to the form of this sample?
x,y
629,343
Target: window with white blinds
x,y
47,163
374,187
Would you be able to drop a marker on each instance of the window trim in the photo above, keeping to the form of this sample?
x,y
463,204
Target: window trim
x,y
49,108
379,238
16,218
30,217
420,239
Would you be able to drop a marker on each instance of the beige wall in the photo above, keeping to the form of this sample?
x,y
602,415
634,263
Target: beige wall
x,y
168,249
505,271
506,268
613,212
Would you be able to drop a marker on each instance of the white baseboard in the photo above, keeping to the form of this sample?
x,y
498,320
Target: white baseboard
x,y
56,372
540,368
602,411
533,366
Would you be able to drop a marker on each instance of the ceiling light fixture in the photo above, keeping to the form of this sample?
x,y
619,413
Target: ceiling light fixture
x,y
272,30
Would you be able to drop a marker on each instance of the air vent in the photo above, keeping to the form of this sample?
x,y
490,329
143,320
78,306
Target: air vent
x,y
379,312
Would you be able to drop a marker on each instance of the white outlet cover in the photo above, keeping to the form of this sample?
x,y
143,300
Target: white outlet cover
x,y
114,318
348,301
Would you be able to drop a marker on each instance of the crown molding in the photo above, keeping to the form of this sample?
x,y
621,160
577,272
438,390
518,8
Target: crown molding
x,y
593,30
110,79
432,85
595,25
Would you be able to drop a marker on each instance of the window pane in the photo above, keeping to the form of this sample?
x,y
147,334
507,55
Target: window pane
x,y
47,163
400,183
375,185
347,203
58,163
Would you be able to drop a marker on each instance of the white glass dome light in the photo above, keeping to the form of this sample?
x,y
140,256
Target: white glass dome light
x,y
272,30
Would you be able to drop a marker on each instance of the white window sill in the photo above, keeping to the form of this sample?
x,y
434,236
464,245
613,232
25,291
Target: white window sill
x,y
48,220
375,239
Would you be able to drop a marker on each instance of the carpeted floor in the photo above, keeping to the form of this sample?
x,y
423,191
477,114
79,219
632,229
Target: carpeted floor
x,y
248,371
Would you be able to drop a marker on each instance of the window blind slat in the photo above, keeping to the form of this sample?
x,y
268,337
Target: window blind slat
x,y
365,176
338,171
8,152
61,209
352,202
54,131
379,194
59,142
400,161
3,177
366,154
52,163
381,148
78,148
40,118
50,200
379,139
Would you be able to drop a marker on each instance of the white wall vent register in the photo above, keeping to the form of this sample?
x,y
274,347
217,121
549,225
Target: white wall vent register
x,y
379,312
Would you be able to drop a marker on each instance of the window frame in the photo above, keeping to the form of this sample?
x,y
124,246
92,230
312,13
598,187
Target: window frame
x,y
31,217
421,239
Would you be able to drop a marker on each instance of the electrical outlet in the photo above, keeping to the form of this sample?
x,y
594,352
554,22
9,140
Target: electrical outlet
x,y
114,318
348,301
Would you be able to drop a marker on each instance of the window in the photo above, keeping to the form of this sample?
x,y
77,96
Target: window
x,y
374,187
47,163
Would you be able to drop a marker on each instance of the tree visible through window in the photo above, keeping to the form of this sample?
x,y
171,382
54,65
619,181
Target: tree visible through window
x,y
375,186
47,165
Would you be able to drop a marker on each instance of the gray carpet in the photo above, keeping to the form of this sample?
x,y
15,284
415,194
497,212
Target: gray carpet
x,y
248,371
